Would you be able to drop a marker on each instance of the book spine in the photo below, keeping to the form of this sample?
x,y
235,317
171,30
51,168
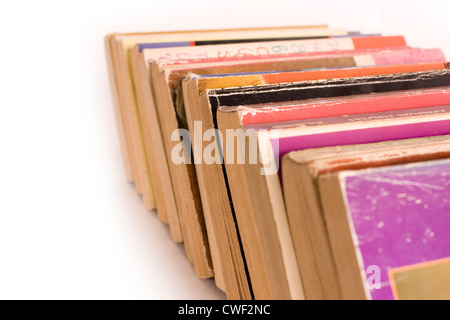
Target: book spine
x,y
379,69
375,42
408,56
273,48
389,102
361,117
405,60
120,121
283,56
364,135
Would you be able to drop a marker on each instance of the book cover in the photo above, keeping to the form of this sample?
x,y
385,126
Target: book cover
x,y
259,116
329,88
407,126
301,171
235,50
399,217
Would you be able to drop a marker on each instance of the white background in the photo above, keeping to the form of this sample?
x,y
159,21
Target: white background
x,y
71,227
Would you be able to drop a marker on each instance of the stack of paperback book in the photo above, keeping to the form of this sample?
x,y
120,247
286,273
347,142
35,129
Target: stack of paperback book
x,y
292,162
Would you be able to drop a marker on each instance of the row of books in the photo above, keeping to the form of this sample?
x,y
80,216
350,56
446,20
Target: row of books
x,y
293,162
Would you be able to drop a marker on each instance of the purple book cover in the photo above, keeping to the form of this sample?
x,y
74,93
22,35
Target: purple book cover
x,y
400,216
360,136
